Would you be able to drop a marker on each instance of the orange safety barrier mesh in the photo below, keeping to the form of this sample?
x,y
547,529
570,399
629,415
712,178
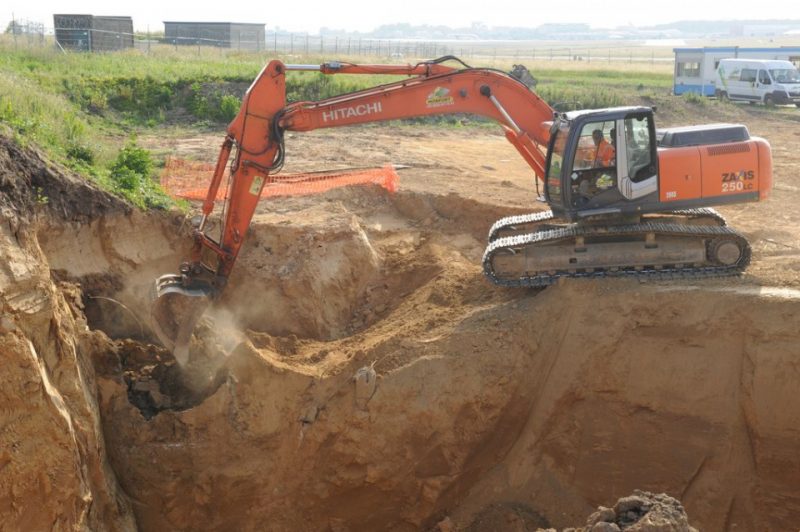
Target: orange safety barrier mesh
x,y
190,180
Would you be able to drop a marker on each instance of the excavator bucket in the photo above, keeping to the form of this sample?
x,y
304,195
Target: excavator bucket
x,y
175,310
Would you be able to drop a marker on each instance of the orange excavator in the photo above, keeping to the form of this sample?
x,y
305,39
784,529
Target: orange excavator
x,y
641,210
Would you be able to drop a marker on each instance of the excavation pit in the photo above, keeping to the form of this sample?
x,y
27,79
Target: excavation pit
x,y
156,382
485,398
376,380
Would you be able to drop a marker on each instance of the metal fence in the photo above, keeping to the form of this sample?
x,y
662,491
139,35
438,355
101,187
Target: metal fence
x,y
303,44
332,47
26,33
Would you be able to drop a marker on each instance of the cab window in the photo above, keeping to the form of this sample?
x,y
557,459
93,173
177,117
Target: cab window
x,y
596,146
594,165
558,145
763,77
639,152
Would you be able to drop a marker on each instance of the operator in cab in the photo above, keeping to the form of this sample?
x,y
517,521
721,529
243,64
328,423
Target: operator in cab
x,y
604,152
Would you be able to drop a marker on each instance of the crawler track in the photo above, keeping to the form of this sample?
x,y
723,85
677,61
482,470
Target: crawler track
x,y
645,235
526,223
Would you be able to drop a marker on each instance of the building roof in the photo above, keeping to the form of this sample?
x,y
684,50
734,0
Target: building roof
x,y
85,15
737,48
219,23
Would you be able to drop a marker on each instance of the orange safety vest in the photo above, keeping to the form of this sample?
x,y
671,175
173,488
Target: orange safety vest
x,y
604,155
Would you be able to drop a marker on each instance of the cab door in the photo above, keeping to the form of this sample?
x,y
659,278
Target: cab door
x,y
747,85
763,84
592,177
637,161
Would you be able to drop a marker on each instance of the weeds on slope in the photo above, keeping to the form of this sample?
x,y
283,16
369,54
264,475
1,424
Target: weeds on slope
x,y
81,107
65,133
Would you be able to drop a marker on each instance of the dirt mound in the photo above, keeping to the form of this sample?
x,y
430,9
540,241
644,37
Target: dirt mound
x,y
533,403
29,183
361,374
392,385
328,266
641,512
55,473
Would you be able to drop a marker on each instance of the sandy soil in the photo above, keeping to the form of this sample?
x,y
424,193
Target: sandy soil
x,y
361,374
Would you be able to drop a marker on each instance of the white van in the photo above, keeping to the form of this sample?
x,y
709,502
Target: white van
x,y
758,80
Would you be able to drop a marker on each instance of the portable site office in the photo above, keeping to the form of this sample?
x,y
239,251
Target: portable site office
x,y
695,68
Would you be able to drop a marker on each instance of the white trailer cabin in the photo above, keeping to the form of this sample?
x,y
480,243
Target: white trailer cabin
x,y
696,68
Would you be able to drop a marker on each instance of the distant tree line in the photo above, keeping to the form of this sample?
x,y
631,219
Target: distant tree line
x,y
478,30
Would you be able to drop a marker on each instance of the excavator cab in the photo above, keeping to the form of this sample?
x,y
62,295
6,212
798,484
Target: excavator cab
x,y
602,162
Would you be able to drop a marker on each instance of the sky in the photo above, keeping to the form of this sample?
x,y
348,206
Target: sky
x,y
310,15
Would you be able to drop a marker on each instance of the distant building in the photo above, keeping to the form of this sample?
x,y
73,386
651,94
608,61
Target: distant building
x,y
87,33
243,36
695,68
562,32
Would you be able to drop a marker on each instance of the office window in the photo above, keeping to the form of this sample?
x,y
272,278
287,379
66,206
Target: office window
x,y
689,69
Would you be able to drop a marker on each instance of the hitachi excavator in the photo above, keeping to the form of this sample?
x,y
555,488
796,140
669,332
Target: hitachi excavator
x,y
643,212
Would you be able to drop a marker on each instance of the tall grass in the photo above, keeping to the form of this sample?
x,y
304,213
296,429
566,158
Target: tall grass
x,y
82,107
44,118
49,66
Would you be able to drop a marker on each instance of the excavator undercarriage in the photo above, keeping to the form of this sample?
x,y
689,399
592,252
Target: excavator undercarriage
x,y
537,250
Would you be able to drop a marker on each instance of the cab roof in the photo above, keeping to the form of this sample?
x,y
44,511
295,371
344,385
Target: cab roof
x,y
612,112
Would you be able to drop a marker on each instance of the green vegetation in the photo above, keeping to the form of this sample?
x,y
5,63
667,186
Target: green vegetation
x,y
131,175
213,105
567,98
82,109
694,98
42,117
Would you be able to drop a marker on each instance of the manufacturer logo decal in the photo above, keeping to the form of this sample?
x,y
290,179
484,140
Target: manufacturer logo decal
x,y
352,112
738,181
255,188
440,97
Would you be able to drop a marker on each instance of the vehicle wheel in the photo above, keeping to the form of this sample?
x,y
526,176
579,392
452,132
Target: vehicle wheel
x,y
723,96
797,105
769,101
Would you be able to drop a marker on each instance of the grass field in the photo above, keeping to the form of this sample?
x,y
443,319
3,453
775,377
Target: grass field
x,y
85,109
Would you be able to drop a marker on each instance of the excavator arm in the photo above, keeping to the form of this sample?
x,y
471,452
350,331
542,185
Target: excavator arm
x,y
257,136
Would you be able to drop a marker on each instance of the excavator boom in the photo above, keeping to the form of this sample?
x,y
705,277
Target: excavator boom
x,y
255,138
